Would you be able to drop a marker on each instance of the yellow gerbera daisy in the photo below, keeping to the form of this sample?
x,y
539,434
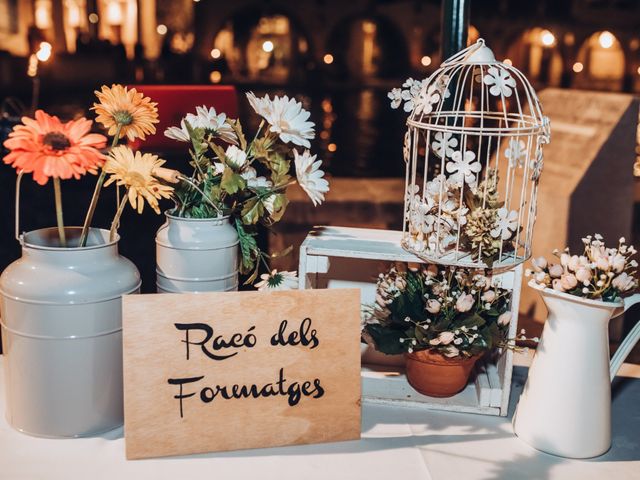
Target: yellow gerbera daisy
x,y
135,113
135,171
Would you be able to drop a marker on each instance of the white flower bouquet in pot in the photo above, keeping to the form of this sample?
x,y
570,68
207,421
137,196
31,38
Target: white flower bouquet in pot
x,y
443,318
235,185
569,380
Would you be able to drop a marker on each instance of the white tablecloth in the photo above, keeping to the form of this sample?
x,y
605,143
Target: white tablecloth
x,y
396,442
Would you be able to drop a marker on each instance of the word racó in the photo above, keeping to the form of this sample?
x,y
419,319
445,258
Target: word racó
x,y
211,346
294,391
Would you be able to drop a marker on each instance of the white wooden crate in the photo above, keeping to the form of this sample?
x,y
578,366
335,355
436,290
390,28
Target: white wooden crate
x,y
343,256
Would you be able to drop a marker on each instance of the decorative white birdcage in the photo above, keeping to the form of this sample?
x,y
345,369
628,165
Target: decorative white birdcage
x,y
473,153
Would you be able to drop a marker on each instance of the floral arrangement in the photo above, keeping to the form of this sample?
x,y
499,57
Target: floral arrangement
x,y
47,148
599,273
447,216
459,209
247,180
452,311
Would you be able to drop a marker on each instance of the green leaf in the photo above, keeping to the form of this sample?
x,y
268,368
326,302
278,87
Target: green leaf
x,y
237,128
232,182
279,206
252,210
218,151
249,250
387,340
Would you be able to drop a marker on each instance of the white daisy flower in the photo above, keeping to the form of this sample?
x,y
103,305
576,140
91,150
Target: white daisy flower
x,y
286,117
464,167
310,177
206,119
213,123
500,80
516,152
236,158
444,144
506,224
181,134
278,281
262,106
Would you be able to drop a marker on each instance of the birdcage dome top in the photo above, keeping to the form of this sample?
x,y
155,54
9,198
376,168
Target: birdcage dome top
x,y
474,93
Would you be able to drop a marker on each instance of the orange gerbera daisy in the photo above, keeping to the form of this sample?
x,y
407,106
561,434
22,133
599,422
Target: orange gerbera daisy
x,y
129,109
47,148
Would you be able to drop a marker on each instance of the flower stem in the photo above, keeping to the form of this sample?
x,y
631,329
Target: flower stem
x,y
96,194
116,218
59,217
199,190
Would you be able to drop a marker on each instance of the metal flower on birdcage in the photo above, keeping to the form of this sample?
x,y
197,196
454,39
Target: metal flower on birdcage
x,y
473,153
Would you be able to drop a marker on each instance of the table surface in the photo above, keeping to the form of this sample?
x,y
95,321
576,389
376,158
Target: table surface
x,y
395,442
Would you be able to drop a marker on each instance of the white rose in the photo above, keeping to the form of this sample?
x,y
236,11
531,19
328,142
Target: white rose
x,y
539,264
505,318
556,270
489,296
446,338
451,352
557,285
618,263
584,274
236,158
540,277
574,263
568,281
623,282
603,263
564,259
464,302
433,306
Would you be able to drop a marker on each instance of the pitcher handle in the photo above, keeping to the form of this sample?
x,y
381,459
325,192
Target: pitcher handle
x,y
17,219
629,342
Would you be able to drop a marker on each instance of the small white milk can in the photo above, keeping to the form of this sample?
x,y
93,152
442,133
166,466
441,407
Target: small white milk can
x,y
196,255
565,408
61,316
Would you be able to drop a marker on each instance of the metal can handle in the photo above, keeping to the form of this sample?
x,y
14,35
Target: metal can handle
x,y
19,236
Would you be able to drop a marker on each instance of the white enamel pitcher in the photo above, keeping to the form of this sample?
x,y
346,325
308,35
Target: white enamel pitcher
x,y
565,408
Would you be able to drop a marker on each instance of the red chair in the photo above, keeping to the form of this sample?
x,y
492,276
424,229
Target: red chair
x,y
175,101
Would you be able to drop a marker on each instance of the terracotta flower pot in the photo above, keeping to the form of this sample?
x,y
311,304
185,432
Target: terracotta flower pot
x,y
435,375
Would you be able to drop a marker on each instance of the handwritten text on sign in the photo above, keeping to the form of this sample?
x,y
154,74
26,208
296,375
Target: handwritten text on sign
x,y
225,371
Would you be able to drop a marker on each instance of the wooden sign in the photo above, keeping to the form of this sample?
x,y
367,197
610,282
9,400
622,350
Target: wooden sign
x,y
235,370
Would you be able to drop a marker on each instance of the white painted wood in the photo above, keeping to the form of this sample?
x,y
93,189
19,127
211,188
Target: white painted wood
x,y
317,264
487,394
483,387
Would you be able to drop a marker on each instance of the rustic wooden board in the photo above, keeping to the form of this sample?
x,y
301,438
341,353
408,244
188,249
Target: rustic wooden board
x,y
155,350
